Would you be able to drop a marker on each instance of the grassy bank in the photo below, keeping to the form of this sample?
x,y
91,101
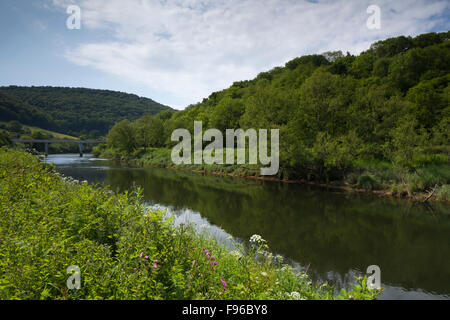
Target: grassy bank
x,y
429,181
124,250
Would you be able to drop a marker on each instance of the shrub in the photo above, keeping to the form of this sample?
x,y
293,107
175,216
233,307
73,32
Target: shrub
x,y
368,182
443,192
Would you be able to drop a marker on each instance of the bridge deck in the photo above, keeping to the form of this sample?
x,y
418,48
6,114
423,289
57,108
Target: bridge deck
x,y
56,141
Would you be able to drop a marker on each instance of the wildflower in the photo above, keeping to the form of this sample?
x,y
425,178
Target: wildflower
x,y
264,274
194,263
236,254
213,263
155,265
279,259
257,240
223,282
142,253
146,257
295,295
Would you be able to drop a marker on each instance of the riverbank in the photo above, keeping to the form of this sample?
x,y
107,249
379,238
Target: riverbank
x,y
123,249
427,183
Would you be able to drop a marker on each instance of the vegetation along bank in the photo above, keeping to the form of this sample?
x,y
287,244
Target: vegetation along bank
x,y
379,121
125,250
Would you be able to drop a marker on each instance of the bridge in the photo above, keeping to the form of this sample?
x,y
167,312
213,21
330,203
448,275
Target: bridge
x,y
46,142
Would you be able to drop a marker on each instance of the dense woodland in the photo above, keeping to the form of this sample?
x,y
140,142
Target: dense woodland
x,y
388,106
73,111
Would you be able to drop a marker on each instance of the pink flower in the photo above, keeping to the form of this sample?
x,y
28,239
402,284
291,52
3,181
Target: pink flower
x,y
223,282
146,257
142,253
155,266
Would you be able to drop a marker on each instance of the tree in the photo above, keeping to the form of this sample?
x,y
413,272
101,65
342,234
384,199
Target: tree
x,y
4,139
226,114
323,102
441,133
268,108
391,47
122,137
406,137
363,65
15,126
149,132
332,56
381,67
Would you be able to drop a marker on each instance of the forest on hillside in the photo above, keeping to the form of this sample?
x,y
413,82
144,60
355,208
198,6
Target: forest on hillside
x,y
72,111
336,112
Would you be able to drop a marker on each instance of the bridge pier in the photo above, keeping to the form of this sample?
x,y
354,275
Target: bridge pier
x,y
46,149
81,150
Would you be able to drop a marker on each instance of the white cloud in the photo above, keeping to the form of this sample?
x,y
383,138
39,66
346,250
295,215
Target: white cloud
x,y
190,48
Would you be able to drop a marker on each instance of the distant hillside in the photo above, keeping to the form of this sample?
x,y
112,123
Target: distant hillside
x,y
73,111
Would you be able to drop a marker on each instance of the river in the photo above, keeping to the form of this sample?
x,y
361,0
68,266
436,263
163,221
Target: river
x,y
333,235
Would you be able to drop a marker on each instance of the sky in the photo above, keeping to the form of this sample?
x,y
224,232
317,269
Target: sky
x,y
178,52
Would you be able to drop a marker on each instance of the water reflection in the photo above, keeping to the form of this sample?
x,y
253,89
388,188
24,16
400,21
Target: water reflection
x,y
336,234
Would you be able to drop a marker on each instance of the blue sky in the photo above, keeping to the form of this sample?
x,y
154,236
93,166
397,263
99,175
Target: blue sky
x,y
178,52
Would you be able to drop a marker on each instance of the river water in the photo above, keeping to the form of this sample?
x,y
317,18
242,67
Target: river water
x,y
333,235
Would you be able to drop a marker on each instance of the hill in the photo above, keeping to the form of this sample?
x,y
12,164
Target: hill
x,y
376,120
73,111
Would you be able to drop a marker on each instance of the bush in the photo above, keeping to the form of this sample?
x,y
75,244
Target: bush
x,y
368,182
443,192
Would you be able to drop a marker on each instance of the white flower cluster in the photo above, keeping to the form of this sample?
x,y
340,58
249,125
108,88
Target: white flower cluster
x,y
279,259
257,239
70,180
236,254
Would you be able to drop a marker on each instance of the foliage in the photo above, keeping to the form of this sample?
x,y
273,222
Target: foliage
x,y
122,136
74,111
123,249
390,103
4,139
